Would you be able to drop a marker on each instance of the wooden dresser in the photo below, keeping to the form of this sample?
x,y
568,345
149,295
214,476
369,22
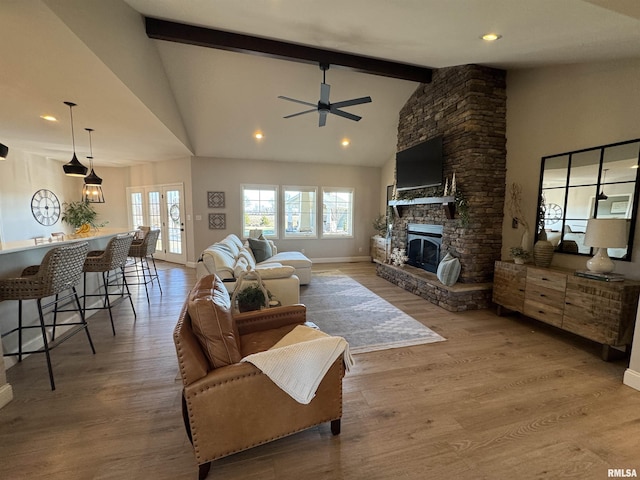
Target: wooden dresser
x,y
380,249
600,311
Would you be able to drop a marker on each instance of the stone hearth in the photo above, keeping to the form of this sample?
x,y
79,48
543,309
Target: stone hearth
x,y
456,298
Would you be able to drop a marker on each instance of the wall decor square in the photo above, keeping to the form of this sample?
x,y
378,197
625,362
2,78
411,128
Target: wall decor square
x,y
217,221
215,199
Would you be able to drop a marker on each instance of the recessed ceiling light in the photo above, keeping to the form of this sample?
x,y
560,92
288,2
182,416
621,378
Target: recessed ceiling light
x,y
258,135
49,118
491,37
345,142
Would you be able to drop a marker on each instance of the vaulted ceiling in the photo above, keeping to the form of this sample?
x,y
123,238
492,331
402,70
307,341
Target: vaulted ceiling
x,y
152,100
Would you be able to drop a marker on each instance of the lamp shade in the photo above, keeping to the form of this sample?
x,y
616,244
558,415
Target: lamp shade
x,y
606,233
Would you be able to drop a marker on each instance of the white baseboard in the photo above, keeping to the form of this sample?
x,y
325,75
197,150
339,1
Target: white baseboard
x,y
341,259
6,394
632,379
190,264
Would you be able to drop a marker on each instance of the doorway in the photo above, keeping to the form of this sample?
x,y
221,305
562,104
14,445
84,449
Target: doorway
x,y
161,207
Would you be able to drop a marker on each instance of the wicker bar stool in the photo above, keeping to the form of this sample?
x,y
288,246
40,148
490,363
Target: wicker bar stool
x,y
112,259
60,271
141,251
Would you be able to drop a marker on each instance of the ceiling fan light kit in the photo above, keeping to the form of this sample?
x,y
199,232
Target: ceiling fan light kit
x,y
324,107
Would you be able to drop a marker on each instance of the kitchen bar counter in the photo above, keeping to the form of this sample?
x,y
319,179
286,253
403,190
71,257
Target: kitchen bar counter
x,y
14,257
47,242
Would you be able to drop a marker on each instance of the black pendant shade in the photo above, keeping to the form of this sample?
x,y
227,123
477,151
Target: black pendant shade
x,y
92,189
4,151
74,168
602,195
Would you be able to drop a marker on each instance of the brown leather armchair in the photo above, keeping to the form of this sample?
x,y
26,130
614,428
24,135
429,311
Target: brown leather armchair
x,y
228,405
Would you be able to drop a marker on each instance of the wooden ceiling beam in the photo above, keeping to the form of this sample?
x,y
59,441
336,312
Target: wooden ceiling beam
x,y
208,37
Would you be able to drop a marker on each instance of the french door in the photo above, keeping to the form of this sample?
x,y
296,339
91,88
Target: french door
x,y
161,207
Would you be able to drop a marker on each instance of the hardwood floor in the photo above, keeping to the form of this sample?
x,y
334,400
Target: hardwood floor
x,y
502,398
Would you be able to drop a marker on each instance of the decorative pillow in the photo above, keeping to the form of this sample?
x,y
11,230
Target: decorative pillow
x,y
260,248
241,266
209,307
275,271
246,254
448,270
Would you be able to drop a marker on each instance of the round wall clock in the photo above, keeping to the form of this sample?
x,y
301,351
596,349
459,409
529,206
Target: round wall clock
x,y
553,213
45,207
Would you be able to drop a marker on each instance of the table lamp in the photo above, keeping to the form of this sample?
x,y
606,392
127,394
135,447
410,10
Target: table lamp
x,y
604,233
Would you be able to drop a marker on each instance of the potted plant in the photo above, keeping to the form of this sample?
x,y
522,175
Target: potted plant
x,y
250,298
519,255
80,215
380,225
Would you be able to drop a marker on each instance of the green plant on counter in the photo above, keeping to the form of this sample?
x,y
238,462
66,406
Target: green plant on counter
x,y
80,213
519,252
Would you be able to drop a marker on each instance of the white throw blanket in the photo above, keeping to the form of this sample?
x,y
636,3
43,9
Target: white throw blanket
x,y
300,360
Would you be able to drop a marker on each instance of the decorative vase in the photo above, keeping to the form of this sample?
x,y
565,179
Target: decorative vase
x,y
518,260
542,253
524,242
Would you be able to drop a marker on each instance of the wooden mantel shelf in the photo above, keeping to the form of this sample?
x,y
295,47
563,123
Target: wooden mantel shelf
x,y
449,204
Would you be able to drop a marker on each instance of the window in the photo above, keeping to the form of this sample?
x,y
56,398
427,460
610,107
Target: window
x,y
337,212
300,212
260,209
137,216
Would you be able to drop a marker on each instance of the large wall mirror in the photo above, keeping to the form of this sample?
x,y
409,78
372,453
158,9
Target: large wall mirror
x,y
599,182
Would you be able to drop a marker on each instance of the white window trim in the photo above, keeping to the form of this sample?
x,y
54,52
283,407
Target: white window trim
x,y
329,236
299,236
258,186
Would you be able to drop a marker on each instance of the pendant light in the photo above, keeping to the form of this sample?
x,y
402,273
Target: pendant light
x,y
74,168
601,195
92,190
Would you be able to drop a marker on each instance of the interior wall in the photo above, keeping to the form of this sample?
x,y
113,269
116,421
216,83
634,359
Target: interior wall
x,y
387,177
227,175
22,174
558,109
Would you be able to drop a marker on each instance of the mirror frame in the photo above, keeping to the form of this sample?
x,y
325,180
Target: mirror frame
x,y
596,185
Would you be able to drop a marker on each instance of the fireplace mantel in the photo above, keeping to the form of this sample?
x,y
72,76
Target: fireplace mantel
x,y
449,204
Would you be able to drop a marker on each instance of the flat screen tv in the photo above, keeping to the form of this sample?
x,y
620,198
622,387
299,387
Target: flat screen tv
x,y
420,166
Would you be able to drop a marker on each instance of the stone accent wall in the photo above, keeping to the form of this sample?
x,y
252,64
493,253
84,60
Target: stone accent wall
x,y
467,106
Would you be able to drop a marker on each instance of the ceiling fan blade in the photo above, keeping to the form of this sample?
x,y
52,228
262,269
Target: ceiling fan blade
x,y
301,113
325,88
340,113
349,103
322,121
297,101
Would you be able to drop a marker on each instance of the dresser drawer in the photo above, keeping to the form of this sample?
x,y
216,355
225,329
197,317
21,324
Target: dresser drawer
x,y
544,297
551,314
542,278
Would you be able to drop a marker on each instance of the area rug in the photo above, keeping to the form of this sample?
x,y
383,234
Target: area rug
x,y
340,306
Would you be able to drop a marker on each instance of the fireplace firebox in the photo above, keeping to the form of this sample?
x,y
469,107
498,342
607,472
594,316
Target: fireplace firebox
x,y
423,245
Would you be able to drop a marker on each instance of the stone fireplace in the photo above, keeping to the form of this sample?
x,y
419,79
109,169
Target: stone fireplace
x,y
466,105
423,246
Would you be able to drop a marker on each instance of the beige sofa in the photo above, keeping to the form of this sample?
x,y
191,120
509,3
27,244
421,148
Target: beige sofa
x,y
282,273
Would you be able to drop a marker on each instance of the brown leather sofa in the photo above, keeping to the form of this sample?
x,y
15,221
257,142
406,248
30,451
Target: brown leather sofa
x,y
228,405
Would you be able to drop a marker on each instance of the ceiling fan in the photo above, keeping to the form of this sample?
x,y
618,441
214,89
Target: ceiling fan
x,y
323,107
